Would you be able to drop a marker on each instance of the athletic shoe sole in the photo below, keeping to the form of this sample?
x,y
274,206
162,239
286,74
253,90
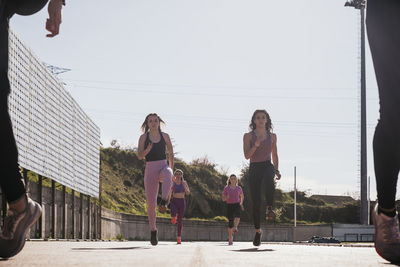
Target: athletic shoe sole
x,y
21,242
376,248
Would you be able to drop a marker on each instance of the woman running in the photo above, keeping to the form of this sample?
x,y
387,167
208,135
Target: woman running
x,y
178,203
233,195
152,145
260,147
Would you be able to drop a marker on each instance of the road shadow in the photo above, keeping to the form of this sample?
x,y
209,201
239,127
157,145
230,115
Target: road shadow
x,y
392,264
117,248
253,250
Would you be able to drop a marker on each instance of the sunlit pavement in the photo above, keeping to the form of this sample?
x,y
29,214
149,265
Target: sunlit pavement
x,y
141,253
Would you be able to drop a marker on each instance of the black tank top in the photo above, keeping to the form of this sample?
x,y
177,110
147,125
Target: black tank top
x,y
157,152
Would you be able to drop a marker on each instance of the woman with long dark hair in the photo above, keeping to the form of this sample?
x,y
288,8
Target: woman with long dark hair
x,y
152,146
260,147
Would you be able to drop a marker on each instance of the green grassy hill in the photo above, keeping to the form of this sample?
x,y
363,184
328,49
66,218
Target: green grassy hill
x,y
122,189
122,186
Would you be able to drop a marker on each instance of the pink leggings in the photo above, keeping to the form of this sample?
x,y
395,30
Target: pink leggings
x,y
156,172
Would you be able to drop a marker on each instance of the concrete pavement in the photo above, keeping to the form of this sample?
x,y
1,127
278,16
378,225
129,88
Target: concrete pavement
x,y
141,253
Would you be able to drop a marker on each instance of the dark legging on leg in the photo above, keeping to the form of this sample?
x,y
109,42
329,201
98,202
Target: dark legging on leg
x,y
383,22
233,211
261,178
10,179
178,207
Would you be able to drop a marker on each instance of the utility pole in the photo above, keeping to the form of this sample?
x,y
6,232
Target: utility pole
x,y
364,211
295,198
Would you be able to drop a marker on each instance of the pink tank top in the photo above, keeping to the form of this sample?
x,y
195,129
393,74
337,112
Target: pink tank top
x,y
263,152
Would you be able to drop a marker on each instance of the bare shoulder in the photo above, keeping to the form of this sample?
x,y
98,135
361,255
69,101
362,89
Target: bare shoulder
x,y
273,135
143,136
165,135
246,136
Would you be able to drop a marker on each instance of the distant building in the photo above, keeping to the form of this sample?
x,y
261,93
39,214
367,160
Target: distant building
x,y
336,200
55,138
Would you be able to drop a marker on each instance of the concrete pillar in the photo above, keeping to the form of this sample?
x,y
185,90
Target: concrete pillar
x,y
81,235
53,210
89,228
98,220
39,232
64,214
95,236
73,214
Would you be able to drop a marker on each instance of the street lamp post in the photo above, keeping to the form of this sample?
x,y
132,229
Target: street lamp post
x,y
364,211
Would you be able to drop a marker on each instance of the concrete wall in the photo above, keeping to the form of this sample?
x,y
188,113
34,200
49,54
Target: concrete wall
x,y
353,232
134,227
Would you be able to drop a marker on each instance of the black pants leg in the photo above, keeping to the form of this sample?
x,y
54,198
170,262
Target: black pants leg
x,y
261,178
383,24
10,178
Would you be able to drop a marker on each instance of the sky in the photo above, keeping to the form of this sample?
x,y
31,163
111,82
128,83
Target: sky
x,y
205,66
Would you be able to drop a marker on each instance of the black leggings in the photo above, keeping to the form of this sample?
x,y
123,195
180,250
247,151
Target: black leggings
x,y
383,24
233,212
261,178
10,178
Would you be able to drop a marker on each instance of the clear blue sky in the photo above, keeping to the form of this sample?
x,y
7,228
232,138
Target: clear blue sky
x,y
205,66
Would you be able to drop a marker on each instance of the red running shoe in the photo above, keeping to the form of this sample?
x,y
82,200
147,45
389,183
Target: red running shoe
x,y
173,220
178,240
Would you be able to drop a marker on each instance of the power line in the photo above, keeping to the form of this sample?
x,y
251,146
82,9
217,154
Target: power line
x,y
238,120
230,87
217,94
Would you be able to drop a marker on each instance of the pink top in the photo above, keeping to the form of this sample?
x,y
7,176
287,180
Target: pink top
x,y
263,152
233,194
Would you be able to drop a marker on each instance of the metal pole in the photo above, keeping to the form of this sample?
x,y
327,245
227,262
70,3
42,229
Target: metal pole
x,y
369,199
364,212
295,198
364,184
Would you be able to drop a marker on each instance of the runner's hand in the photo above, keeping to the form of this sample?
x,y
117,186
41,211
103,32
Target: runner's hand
x,y
54,20
258,141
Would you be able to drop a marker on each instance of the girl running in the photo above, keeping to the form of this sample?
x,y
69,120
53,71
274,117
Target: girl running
x,y
260,147
152,146
233,195
178,203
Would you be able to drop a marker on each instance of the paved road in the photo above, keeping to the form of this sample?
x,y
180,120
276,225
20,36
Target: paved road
x,y
168,254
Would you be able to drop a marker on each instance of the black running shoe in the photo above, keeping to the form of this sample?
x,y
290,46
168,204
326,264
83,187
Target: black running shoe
x,y
153,238
257,239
